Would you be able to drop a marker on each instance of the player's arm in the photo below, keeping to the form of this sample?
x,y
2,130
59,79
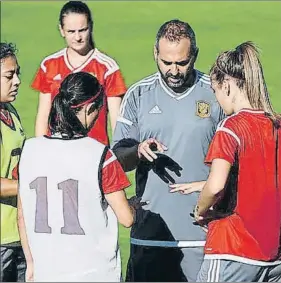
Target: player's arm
x,y
119,204
113,104
43,85
24,242
115,89
214,186
113,183
9,188
221,156
44,107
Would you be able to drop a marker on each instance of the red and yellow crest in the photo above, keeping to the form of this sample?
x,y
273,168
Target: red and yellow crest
x,y
203,109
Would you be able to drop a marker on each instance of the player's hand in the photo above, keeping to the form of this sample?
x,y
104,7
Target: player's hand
x,y
187,188
29,272
147,147
199,220
210,215
136,202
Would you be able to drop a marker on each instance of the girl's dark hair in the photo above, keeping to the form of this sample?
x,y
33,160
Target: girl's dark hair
x,y
76,90
78,7
7,50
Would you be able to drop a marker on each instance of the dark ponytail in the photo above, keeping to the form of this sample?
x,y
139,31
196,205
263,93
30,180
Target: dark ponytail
x,y
76,90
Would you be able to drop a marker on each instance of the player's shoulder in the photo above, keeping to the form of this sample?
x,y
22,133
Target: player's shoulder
x,y
233,122
54,57
238,125
107,61
34,140
91,142
31,145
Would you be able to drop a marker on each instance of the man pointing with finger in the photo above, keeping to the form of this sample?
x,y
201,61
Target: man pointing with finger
x,y
166,123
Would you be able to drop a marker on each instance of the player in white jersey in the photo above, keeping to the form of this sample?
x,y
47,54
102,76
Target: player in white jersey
x,y
72,193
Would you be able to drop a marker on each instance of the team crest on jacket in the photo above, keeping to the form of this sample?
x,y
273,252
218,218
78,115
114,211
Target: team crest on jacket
x,y
203,109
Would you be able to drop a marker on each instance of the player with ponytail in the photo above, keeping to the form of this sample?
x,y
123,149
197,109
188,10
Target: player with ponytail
x,y
243,246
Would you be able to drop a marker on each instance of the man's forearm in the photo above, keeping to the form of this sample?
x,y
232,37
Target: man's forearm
x,y
126,151
8,188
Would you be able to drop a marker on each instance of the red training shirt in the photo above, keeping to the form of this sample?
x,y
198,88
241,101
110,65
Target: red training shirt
x,y
56,67
250,235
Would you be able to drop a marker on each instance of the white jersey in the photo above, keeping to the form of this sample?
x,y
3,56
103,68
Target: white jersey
x,y
72,232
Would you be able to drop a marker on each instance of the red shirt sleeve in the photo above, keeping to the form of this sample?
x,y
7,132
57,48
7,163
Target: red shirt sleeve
x,y
115,84
113,177
223,146
40,82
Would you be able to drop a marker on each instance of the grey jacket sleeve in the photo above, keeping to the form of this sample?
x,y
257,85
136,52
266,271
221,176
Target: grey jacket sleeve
x,y
126,136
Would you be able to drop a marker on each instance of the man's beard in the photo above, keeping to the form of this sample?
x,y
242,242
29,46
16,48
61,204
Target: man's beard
x,y
180,82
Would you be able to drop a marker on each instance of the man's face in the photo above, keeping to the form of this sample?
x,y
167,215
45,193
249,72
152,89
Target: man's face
x,y
9,79
175,62
76,31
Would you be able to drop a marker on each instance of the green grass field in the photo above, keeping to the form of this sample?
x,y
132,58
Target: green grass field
x,y
126,31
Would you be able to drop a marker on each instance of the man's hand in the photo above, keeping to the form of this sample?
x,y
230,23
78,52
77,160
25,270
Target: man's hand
x,y
160,166
147,147
187,188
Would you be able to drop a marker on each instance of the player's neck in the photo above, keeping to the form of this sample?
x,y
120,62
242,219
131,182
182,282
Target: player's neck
x,y
241,104
78,54
76,59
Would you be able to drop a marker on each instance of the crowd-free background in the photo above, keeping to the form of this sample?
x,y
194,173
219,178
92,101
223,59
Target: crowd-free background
x,y
126,31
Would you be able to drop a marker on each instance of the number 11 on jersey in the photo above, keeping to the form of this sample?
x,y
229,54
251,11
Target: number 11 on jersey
x,y
70,206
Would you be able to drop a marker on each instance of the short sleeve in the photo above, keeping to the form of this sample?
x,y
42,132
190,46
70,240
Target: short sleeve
x,y
224,146
40,82
113,177
115,84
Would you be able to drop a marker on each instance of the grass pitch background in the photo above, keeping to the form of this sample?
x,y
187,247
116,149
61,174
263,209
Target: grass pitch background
x,y
126,31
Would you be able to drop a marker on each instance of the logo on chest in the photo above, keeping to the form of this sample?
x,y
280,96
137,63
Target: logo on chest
x,y
155,110
57,77
203,109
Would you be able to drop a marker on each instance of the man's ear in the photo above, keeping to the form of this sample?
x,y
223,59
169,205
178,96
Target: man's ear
x,y
61,30
155,53
196,54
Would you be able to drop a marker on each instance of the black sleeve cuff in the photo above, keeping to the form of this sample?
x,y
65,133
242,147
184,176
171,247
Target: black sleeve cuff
x,y
126,151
